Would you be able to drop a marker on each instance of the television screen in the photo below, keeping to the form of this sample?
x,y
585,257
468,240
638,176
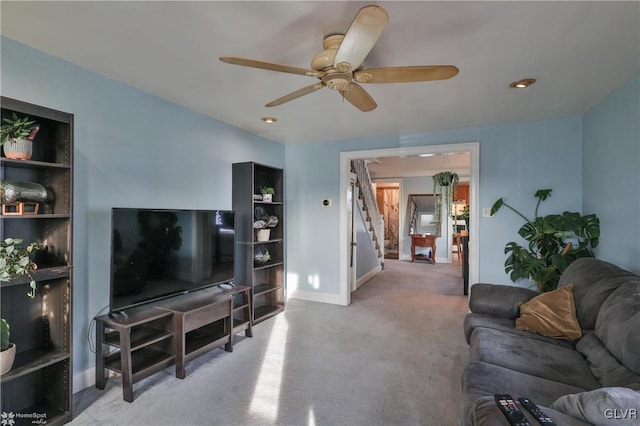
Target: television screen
x,y
160,253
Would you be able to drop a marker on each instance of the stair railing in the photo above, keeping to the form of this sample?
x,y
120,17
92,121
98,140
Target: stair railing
x,y
368,196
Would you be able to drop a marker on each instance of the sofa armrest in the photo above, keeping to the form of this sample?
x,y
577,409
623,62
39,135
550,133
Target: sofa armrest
x,y
498,300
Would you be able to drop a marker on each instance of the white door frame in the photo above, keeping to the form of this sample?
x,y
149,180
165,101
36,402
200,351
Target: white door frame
x,y
473,148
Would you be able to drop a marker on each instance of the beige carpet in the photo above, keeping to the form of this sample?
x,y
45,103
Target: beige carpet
x,y
394,357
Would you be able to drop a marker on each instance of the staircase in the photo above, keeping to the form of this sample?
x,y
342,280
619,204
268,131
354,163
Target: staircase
x,y
374,222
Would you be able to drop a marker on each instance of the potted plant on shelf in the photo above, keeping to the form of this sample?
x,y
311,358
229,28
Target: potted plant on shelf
x,y
267,193
16,260
446,182
555,241
263,223
16,136
7,349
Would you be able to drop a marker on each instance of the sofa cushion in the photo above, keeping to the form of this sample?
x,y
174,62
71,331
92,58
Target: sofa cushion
x,y
604,366
485,412
501,301
593,281
605,406
530,356
473,321
618,324
481,379
551,314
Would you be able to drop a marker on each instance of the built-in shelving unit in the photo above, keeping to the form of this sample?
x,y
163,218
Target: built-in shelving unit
x,y
40,382
266,279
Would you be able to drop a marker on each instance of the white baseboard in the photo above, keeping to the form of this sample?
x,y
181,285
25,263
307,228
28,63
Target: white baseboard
x,y
86,379
366,277
311,296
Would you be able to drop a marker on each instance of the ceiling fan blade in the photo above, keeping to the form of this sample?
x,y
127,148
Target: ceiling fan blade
x,y
359,98
360,38
295,95
406,74
271,66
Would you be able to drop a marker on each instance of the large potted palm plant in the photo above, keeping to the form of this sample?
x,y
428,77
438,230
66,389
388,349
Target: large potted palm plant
x,y
554,241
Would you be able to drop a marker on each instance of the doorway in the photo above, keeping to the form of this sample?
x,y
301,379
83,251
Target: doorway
x,y
388,200
472,148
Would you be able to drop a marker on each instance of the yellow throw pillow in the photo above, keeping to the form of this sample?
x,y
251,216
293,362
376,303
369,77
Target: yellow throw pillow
x,y
551,314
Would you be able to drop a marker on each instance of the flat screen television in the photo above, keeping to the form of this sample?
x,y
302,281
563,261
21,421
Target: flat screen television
x,y
160,253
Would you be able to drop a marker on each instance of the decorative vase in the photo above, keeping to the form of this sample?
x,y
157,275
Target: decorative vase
x,y
267,198
6,359
263,235
18,149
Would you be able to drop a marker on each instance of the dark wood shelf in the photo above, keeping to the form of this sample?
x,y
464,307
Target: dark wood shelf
x,y
272,203
268,265
42,274
144,361
204,339
35,216
248,178
276,240
266,311
41,378
30,361
29,164
141,336
265,288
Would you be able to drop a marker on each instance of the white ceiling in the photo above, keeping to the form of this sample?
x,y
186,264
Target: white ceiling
x,y
578,51
413,166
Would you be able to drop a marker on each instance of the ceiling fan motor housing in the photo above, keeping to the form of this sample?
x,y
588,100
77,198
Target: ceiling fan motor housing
x,y
337,80
324,60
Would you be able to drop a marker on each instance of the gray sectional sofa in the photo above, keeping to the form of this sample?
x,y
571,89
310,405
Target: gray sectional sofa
x,y
592,380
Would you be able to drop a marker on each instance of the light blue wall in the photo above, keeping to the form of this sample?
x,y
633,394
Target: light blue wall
x,y
131,149
515,161
125,156
611,173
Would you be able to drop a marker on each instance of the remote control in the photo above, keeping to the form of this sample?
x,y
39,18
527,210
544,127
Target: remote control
x,y
510,409
536,412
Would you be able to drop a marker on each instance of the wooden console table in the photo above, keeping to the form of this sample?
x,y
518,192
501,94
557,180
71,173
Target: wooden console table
x,y
423,241
152,337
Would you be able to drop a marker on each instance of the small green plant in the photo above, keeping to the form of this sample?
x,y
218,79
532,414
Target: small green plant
x,y
16,260
4,335
267,190
16,128
554,242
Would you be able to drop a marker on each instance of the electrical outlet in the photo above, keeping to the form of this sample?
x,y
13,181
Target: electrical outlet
x,y
486,212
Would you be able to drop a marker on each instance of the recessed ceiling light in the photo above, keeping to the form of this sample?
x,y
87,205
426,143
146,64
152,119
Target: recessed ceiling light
x,y
269,120
426,155
522,84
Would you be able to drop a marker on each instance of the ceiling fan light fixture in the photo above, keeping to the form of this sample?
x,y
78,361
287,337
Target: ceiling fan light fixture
x,y
269,120
522,84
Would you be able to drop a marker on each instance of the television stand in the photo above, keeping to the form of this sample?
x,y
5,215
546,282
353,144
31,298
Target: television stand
x,y
169,331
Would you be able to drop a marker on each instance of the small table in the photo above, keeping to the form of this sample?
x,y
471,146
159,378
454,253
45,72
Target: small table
x,y
423,241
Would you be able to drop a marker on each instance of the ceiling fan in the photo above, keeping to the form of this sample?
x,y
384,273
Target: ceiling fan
x,y
339,65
